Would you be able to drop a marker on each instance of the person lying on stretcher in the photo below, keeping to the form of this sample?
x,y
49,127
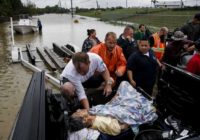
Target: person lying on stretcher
x,y
128,108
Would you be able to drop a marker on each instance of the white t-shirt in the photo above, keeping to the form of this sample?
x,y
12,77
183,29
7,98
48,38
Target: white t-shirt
x,y
96,64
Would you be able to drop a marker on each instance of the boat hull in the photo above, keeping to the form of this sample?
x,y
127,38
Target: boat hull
x,y
24,29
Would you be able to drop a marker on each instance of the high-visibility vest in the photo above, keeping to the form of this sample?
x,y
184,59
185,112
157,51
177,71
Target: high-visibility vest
x,y
158,46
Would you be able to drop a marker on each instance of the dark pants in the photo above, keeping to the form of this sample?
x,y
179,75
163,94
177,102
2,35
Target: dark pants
x,y
40,29
93,82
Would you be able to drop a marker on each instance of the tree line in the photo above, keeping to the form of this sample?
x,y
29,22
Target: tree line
x,y
9,7
15,7
12,8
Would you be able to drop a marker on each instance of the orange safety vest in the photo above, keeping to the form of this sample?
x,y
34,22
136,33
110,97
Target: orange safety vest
x,y
158,46
117,61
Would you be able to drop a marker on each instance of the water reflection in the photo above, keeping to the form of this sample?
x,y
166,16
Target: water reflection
x,y
28,38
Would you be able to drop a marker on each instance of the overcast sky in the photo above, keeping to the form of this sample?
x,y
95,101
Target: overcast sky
x,y
103,3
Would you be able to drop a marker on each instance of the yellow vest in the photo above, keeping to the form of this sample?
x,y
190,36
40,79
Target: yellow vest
x,y
158,46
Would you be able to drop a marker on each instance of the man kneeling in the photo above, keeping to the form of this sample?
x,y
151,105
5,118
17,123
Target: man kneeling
x,y
82,67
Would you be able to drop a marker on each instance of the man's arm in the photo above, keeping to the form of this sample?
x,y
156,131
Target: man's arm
x,y
101,67
108,82
159,63
130,78
85,103
121,65
81,96
80,92
130,65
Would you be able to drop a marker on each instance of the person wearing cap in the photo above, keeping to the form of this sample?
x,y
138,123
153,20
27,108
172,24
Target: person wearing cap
x,y
174,49
158,42
192,28
193,65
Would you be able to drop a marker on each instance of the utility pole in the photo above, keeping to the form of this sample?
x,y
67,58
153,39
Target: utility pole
x,y
126,4
59,4
107,4
181,3
97,4
27,2
72,11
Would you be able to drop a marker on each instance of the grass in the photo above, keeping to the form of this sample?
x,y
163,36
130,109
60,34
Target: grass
x,y
149,16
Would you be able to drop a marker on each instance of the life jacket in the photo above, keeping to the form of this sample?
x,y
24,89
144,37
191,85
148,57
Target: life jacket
x,y
158,46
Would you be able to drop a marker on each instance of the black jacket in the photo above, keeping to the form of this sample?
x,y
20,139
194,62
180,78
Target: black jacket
x,y
127,46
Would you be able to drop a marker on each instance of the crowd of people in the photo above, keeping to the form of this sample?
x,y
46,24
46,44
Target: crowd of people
x,y
136,56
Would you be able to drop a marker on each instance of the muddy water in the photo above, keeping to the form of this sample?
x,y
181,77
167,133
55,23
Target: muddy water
x,y
14,78
13,82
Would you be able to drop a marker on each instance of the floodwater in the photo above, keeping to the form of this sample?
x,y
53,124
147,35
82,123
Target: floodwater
x,y
14,78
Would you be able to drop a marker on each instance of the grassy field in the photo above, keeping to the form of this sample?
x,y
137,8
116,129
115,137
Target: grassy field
x,y
148,16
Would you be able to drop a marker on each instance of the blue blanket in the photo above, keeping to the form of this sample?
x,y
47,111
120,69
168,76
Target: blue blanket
x,y
129,106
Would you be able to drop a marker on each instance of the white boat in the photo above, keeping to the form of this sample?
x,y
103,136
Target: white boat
x,y
25,25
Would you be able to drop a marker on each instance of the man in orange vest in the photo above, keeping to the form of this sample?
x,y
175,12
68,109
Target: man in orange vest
x,y
157,42
112,55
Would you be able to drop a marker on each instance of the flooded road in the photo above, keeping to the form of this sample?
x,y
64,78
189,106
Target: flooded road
x,y
62,30
14,78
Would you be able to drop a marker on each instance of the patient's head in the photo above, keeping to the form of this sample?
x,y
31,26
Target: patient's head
x,y
75,124
79,120
80,113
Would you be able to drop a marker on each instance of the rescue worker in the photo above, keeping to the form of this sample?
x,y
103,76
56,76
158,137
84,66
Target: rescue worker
x,y
158,42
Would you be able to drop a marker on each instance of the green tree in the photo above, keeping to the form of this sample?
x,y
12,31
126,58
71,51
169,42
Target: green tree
x,y
10,7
